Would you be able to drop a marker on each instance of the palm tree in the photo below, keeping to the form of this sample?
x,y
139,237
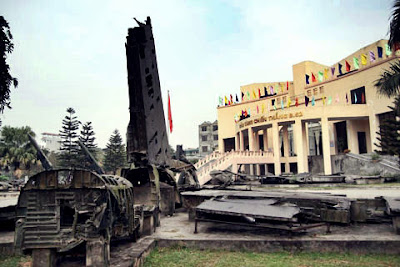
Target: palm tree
x,y
15,149
389,82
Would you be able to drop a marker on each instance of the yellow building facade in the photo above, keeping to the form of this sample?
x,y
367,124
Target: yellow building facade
x,y
274,116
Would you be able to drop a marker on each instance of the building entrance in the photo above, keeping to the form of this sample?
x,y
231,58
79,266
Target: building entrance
x,y
362,143
341,136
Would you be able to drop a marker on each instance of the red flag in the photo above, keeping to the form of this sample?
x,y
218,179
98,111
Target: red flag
x,y
259,93
347,66
231,100
170,114
287,85
313,77
297,101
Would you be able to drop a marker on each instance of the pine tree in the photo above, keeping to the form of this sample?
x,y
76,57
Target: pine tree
x,y
87,138
69,146
115,156
389,134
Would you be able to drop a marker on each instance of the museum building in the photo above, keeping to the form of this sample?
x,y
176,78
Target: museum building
x,y
325,110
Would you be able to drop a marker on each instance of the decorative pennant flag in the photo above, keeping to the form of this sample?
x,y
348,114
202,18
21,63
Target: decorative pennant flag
x,y
306,100
380,52
289,102
333,71
258,111
355,98
265,91
347,98
226,101
363,59
248,113
297,102
271,89
274,103
169,114
340,69
388,50
337,98
231,100
313,77
326,74
221,101
287,85
242,96
282,104
320,76
262,108
362,98
237,99
323,100
307,79
248,95
281,87
347,66
355,63
313,101
254,94
329,100
371,56
259,93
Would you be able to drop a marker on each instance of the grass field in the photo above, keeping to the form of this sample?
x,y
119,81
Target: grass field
x,y
13,261
192,257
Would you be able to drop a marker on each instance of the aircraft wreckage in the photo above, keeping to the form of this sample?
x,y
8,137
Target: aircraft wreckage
x,y
60,211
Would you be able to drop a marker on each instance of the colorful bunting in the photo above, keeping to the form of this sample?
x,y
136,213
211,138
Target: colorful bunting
x,y
265,91
329,100
320,76
333,71
287,85
297,102
340,69
307,79
282,104
355,63
248,113
313,101
242,96
306,100
380,51
271,89
363,59
258,111
313,77
289,102
326,74
388,50
262,108
221,101
323,100
254,94
274,103
231,99
337,98
347,66
259,93
248,95
226,101
237,99
371,56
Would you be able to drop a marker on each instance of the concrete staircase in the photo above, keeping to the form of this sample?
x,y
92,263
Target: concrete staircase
x,y
223,161
387,162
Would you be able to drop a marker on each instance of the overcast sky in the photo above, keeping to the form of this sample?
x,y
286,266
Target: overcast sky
x,y
72,54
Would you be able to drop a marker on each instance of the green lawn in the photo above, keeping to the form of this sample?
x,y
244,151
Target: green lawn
x,y
192,257
13,261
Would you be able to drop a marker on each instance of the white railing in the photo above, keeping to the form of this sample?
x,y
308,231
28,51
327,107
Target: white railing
x,y
221,161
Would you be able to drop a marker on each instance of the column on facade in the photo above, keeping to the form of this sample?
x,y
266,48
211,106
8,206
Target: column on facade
x,y
352,138
298,134
285,136
256,141
265,139
317,135
237,142
373,129
306,149
251,140
276,148
326,146
241,142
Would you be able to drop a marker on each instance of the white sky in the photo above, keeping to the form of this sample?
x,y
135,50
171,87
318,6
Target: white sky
x,y
72,54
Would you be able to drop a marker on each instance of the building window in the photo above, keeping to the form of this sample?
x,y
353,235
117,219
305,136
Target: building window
x,y
204,138
321,90
215,137
308,92
315,91
358,96
204,128
204,149
215,128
